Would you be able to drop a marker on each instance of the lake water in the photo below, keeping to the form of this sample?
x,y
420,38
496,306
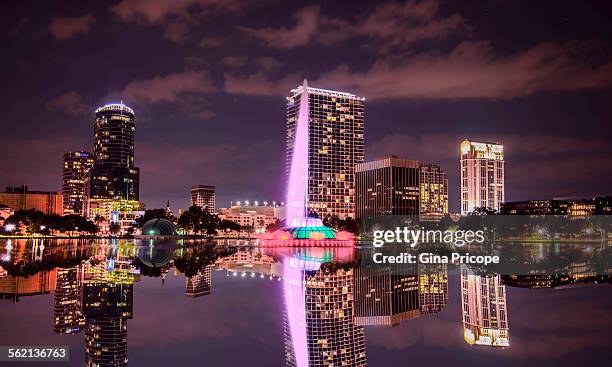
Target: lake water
x,y
231,303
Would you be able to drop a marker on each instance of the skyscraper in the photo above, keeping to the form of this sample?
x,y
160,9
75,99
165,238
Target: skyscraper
x,y
484,312
433,287
113,175
482,175
335,144
388,186
433,190
204,197
75,181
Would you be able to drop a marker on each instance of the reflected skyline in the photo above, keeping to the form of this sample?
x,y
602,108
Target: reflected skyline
x,y
331,300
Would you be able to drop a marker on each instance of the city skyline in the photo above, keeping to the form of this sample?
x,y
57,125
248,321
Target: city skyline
x,y
218,115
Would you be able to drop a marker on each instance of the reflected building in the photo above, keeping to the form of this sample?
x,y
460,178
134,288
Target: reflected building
x,y
386,296
200,284
67,315
319,317
484,310
433,287
43,282
107,305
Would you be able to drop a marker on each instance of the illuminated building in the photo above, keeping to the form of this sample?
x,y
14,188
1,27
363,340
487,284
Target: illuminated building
x,y
484,312
386,296
13,287
199,284
324,148
75,181
67,315
20,198
387,186
250,214
433,287
560,206
433,190
113,175
204,197
319,318
482,175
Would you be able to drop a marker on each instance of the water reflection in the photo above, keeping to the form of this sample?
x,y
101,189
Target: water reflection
x,y
329,296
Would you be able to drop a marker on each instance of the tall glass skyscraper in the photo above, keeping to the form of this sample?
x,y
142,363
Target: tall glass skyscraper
x,y
114,176
335,146
482,175
77,166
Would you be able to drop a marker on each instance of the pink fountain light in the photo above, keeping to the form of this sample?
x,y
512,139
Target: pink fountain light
x,y
298,175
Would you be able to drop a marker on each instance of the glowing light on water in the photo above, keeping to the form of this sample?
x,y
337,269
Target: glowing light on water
x,y
298,174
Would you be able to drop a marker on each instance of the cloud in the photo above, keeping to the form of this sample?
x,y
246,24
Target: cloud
x,y
64,28
168,88
260,85
71,102
389,24
307,25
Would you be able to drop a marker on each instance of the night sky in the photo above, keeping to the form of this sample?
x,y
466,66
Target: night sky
x,y
207,80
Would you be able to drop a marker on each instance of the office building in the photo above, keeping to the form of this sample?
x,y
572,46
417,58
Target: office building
x,y
113,175
482,175
484,309
75,191
433,190
204,197
433,287
332,145
253,214
388,186
21,198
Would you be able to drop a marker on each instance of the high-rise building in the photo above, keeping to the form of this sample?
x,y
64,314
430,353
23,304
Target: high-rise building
x,y
21,198
113,175
433,190
75,181
199,284
484,309
335,144
386,296
67,315
482,175
319,315
204,197
388,186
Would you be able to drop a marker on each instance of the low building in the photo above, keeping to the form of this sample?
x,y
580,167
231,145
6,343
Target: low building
x,y
256,216
559,206
21,198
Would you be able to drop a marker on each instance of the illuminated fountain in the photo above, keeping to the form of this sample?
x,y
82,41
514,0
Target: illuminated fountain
x,y
302,230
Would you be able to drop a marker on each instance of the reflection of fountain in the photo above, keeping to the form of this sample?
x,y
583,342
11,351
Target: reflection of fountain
x,y
307,231
318,304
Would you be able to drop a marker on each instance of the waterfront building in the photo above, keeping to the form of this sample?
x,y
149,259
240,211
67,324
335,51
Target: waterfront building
x,y
204,197
21,198
482,175
388,186
560,206
113,175
75,182
433,190
484,309
12,287
252,214
67,315
331,145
